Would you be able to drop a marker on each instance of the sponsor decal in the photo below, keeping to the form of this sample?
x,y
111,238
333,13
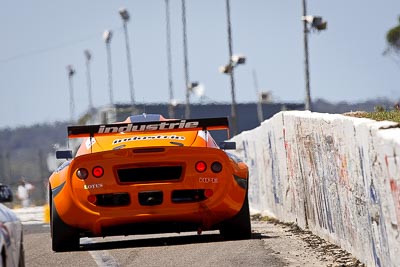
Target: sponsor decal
x,y
130,127
207,180
90,142
171,125
92,186
148,138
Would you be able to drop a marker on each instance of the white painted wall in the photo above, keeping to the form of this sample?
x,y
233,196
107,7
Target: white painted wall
x,y
337,175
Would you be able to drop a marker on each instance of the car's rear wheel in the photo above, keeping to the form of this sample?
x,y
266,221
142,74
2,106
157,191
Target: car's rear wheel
x,y
63,236
238,227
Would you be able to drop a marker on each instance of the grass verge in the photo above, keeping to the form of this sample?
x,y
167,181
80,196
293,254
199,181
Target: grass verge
x,y
379,114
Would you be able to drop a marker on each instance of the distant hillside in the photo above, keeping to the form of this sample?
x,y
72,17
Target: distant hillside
x,y
23,151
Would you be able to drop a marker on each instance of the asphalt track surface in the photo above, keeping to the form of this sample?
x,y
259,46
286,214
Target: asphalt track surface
x,y
272,244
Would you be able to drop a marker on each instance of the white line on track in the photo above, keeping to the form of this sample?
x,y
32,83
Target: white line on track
x,y
35,215
101,257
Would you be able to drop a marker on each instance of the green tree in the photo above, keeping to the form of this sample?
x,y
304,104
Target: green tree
x,y
393,42
393,37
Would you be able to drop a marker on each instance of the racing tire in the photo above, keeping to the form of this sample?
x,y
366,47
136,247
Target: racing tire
x,y
63,236
238,227
21,260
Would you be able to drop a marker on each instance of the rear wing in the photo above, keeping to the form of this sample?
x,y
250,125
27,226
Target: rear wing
x,y
156,126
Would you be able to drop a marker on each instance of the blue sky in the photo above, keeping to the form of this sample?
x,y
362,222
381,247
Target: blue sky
x,y
40,38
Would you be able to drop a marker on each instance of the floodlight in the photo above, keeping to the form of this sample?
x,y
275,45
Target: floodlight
x,y
107,36
88,55
309,18
316,22
199,90
124,14
70,70
174,102
192,85
238,59
225,69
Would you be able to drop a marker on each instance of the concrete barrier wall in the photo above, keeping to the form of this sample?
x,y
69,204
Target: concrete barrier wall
x,y
335,175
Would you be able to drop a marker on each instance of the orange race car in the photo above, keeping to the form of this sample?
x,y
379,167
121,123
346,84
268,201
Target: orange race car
x,y
148,175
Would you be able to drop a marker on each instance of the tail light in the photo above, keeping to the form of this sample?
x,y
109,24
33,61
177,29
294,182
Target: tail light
x,y
98,171
201,166
92,199
208,193
82,173
216,167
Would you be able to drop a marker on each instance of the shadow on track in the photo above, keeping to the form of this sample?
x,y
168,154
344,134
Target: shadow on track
x,y
160,241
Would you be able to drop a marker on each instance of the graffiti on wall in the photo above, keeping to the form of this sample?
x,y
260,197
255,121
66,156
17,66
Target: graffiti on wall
x,y
276,180
394,189
291,191
333,173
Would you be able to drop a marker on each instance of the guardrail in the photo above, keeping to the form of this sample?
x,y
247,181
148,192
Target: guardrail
x,y
338,176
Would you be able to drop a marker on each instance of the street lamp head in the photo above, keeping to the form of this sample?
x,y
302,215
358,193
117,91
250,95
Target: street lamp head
x,y
227,69
316,22
238,59
70,70
234,61
107,34
192,85
319,24
199,90
265,97
88,55
124,14
174,102
309,19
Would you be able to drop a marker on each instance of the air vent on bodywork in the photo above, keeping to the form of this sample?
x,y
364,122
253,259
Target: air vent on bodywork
x,y
187,196
113,200
149,174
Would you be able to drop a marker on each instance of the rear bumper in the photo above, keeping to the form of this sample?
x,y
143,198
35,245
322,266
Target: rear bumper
x,y
139,217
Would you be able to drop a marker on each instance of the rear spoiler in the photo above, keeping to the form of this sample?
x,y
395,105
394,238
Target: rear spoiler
x,y
156,126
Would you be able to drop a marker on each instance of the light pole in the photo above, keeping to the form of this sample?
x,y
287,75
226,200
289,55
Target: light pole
x,y
259,100
107,38
88,57
234,61
171,107
192,87
186,62
71,72
229,70
318,24
125,18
